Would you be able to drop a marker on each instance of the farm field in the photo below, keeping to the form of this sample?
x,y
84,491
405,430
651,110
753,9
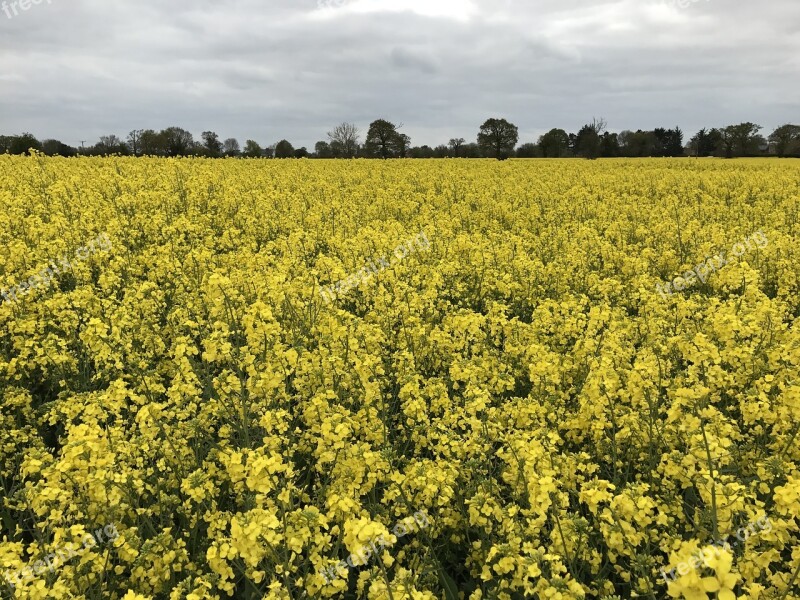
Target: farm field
x,y
550,379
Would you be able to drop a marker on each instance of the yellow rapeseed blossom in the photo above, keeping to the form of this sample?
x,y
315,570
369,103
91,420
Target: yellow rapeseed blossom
x,y
552,379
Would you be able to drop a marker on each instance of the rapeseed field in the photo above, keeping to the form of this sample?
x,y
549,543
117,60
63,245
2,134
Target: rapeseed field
x,y
448,379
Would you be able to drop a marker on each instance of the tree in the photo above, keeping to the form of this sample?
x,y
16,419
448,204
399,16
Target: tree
x,y
668,142
498,138
252,149
403,144
344,140
637,144
528,150
177,141
455,146
384,140
786,140
740,140
110,144
609,145
554,144
705,142
472,150
301,153
323,150
152,143
423,151
231,147
56,148
284,149
587,142
747,139
23,144
212,147
598,125
134,142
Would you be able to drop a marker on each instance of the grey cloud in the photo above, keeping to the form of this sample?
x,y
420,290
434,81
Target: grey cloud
x,y
78,69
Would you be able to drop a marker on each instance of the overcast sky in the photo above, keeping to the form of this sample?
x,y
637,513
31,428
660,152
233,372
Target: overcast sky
x,y
272,69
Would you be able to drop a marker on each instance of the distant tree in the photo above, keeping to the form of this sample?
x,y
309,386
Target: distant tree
x,y
786,140
231,147
637,144
323,150
423,151
740,140
383,139
301,152
748,142
727,142
211,147
23,144
609,145
134,142
528,150
705,142
344,140
403,144
5,143
497,138
57,148
177,141
269,151
455,145
668,142
554,144
152,143
252,149
441,151
675,145
472,150
284,149
587,142
110,144
598,125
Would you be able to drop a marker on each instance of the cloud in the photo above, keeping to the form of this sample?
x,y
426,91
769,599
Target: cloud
x,y
78,69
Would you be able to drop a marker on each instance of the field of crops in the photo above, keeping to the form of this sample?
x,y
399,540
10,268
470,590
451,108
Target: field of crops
x,y
399,379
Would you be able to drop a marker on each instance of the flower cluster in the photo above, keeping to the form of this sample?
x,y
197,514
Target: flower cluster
x,y
709,266
61,555
566,433
47,276
343,286
713,552
364,551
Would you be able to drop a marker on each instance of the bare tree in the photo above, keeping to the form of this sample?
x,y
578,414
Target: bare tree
x,y
344,140
231,147
598,125
110,144
455,146
135,142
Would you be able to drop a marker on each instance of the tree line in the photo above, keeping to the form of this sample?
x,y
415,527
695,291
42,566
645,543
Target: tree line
x,y
497,138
